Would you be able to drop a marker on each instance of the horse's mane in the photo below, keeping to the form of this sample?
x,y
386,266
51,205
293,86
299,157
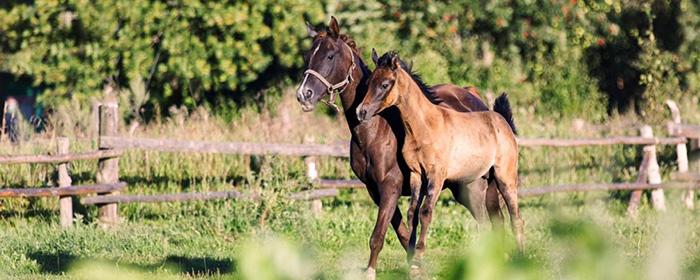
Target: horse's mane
x,y
385,61
348,41
342,36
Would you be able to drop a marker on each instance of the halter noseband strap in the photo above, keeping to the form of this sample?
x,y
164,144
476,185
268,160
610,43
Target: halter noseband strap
x,y
329,86
332,89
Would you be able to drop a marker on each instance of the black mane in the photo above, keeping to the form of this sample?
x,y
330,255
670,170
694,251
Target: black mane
x,y
385,61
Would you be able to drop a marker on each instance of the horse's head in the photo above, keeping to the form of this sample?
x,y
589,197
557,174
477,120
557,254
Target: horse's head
x,y
330,63
382,90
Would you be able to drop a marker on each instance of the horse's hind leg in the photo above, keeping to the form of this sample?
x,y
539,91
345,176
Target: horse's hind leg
x,y
507,182
432,194
400,228
411,217
472,197
493,204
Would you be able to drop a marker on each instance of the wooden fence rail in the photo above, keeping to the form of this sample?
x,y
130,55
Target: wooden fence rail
x,y
238,148
338,184
60,158
529,192
684,130
62,191
103,199
338,150
685,176
618,140
539,191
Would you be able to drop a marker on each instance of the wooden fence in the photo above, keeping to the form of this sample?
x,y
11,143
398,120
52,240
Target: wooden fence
x,y
64,189
111,147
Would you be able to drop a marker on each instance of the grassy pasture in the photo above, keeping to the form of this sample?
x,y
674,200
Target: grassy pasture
x,y
577,236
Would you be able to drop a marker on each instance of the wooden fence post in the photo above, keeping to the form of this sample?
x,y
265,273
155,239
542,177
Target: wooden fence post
x,y
653,175
108,169
636,195
95,120
64,180
648,172
312,175
681,154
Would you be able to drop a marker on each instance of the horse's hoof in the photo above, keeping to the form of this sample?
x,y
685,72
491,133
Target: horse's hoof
x,y
416,272
370,274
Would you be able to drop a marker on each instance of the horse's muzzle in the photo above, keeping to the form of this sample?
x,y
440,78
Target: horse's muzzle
x,y
303,99
361,113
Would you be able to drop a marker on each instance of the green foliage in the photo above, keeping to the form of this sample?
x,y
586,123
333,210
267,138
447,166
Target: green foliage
x,y
180,50
689,21
493,256
532,49
564,58
660,79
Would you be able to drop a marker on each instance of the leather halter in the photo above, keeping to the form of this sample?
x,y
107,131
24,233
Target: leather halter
x,y
339,87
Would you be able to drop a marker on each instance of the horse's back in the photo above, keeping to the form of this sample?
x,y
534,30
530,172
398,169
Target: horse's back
x,y
479,138
461,99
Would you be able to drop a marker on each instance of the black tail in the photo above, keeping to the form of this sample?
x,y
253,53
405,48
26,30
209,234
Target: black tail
x,y
502,106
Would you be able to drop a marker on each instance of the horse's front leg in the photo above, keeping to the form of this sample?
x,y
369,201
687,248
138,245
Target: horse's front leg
x,y
434,187
388,199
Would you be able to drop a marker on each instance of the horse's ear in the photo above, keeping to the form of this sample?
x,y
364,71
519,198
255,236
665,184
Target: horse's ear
x,y
395,63
333,27
310,30
375,57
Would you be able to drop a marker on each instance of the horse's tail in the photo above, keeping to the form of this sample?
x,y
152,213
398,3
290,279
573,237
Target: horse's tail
x,y
502,106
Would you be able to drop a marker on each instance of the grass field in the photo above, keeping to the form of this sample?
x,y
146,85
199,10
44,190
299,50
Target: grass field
x,y
575,236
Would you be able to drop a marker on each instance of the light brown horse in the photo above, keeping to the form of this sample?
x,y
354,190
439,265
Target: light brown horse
x,y
443,145
335,66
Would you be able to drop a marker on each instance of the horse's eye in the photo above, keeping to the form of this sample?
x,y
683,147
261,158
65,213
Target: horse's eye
x,y
330,56
385,85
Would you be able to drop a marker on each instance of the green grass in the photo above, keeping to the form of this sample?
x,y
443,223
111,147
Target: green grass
x,y
218,239
577,236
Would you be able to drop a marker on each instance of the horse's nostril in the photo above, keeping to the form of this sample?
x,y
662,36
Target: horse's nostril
x,y
361,114
308,93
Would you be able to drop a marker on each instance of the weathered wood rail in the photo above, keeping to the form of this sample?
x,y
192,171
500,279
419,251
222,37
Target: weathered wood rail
x,y
236,148
537,191
111,147
161,198
61,191
340,149
60,158
617,140
64,190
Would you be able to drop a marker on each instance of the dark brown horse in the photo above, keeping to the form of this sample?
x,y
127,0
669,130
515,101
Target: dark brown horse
x,y
443,145
335,66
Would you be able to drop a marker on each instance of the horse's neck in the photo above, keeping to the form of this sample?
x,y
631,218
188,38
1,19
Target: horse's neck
x,y
415,109
356,91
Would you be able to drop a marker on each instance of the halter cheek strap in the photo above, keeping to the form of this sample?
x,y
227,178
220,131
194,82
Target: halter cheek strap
x,y
337,88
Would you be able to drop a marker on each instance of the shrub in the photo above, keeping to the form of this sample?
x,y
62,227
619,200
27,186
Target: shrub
x,y
546,53
181,51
